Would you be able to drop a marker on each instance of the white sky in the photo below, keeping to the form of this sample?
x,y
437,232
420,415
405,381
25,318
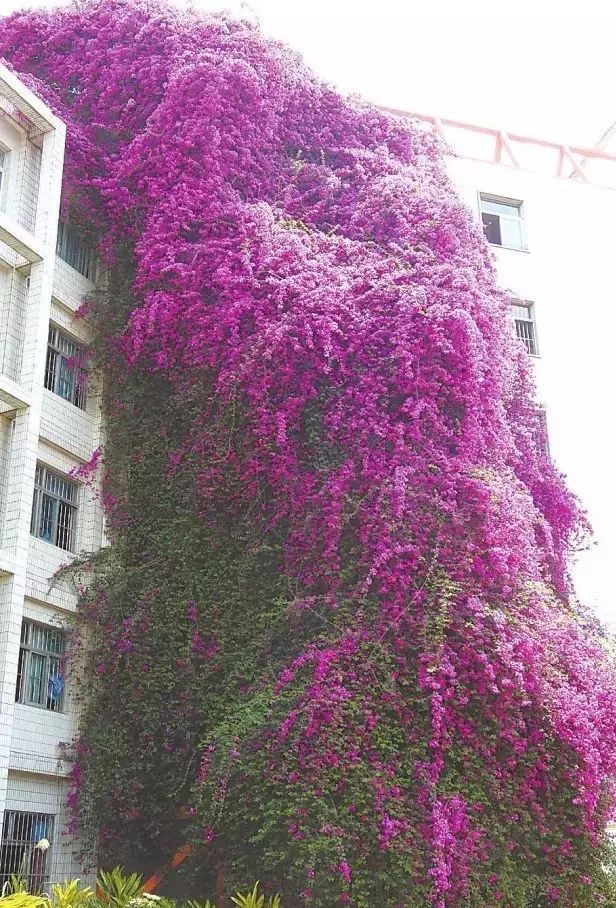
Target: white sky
x,y
540,67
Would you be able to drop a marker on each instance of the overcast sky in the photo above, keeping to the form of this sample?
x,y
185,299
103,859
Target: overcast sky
x,y
541,67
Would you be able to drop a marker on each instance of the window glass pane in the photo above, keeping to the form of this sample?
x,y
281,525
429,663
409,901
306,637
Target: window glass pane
x,y
491,229
48,512
509,209
50,369
64,535
20,672
35,513
55,685
66,380
511,232
71,248
37,679
520,311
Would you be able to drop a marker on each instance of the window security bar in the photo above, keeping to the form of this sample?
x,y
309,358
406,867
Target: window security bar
x,y
54,509
64,373
525,328
21,832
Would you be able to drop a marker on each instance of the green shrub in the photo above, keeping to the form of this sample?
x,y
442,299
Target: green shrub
x,y
117,890
70,894
255,900
22,900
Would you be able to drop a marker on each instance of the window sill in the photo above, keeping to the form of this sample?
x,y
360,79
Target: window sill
x,y
52,712
510,248
55,396
68,552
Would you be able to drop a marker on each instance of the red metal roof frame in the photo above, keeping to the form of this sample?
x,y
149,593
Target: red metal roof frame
x,y
505,145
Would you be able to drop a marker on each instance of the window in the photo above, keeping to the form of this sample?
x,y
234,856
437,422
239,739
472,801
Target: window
x,y
40,671
4,159
54,509
502,221
525,327
20,833
64,374
71,248
543,437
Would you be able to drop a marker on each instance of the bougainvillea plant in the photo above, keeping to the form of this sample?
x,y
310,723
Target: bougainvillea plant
x,y
333,631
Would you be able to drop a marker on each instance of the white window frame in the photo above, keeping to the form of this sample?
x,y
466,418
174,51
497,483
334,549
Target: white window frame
x,y
61,516
60,349
528,337
46,645
520,218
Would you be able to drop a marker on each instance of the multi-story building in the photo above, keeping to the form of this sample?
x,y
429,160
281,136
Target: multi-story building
x,y
548,211
49,427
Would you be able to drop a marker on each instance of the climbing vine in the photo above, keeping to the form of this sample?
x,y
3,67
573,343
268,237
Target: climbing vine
x,y
333,638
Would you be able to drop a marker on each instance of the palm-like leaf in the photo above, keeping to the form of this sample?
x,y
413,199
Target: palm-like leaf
x,y
116,889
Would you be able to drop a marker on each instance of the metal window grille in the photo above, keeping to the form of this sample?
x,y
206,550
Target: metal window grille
x,y
71,248
502,221
54,509
64,373
525,327
40,670
21,831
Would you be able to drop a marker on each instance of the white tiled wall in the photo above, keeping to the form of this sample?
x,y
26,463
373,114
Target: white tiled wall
x,y
37,426
47,789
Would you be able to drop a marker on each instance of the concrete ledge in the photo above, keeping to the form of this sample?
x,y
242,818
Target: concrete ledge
x,y
13,395
20,240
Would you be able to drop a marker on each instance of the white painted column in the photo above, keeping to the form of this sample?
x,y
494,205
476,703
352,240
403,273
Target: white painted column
x,y
24,440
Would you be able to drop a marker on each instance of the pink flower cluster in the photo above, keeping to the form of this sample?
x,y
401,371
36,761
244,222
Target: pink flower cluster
x,y
306,260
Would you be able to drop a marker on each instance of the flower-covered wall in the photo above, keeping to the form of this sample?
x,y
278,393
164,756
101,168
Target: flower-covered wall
x,y
332,640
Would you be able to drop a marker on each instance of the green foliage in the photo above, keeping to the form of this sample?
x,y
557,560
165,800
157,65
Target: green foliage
x,y
22,900
255,899
69,894
15,883
116,889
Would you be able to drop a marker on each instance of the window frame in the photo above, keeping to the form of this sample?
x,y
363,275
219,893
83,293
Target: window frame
x,y
52,379
520,218
542,417
533,340
54,659
71,506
